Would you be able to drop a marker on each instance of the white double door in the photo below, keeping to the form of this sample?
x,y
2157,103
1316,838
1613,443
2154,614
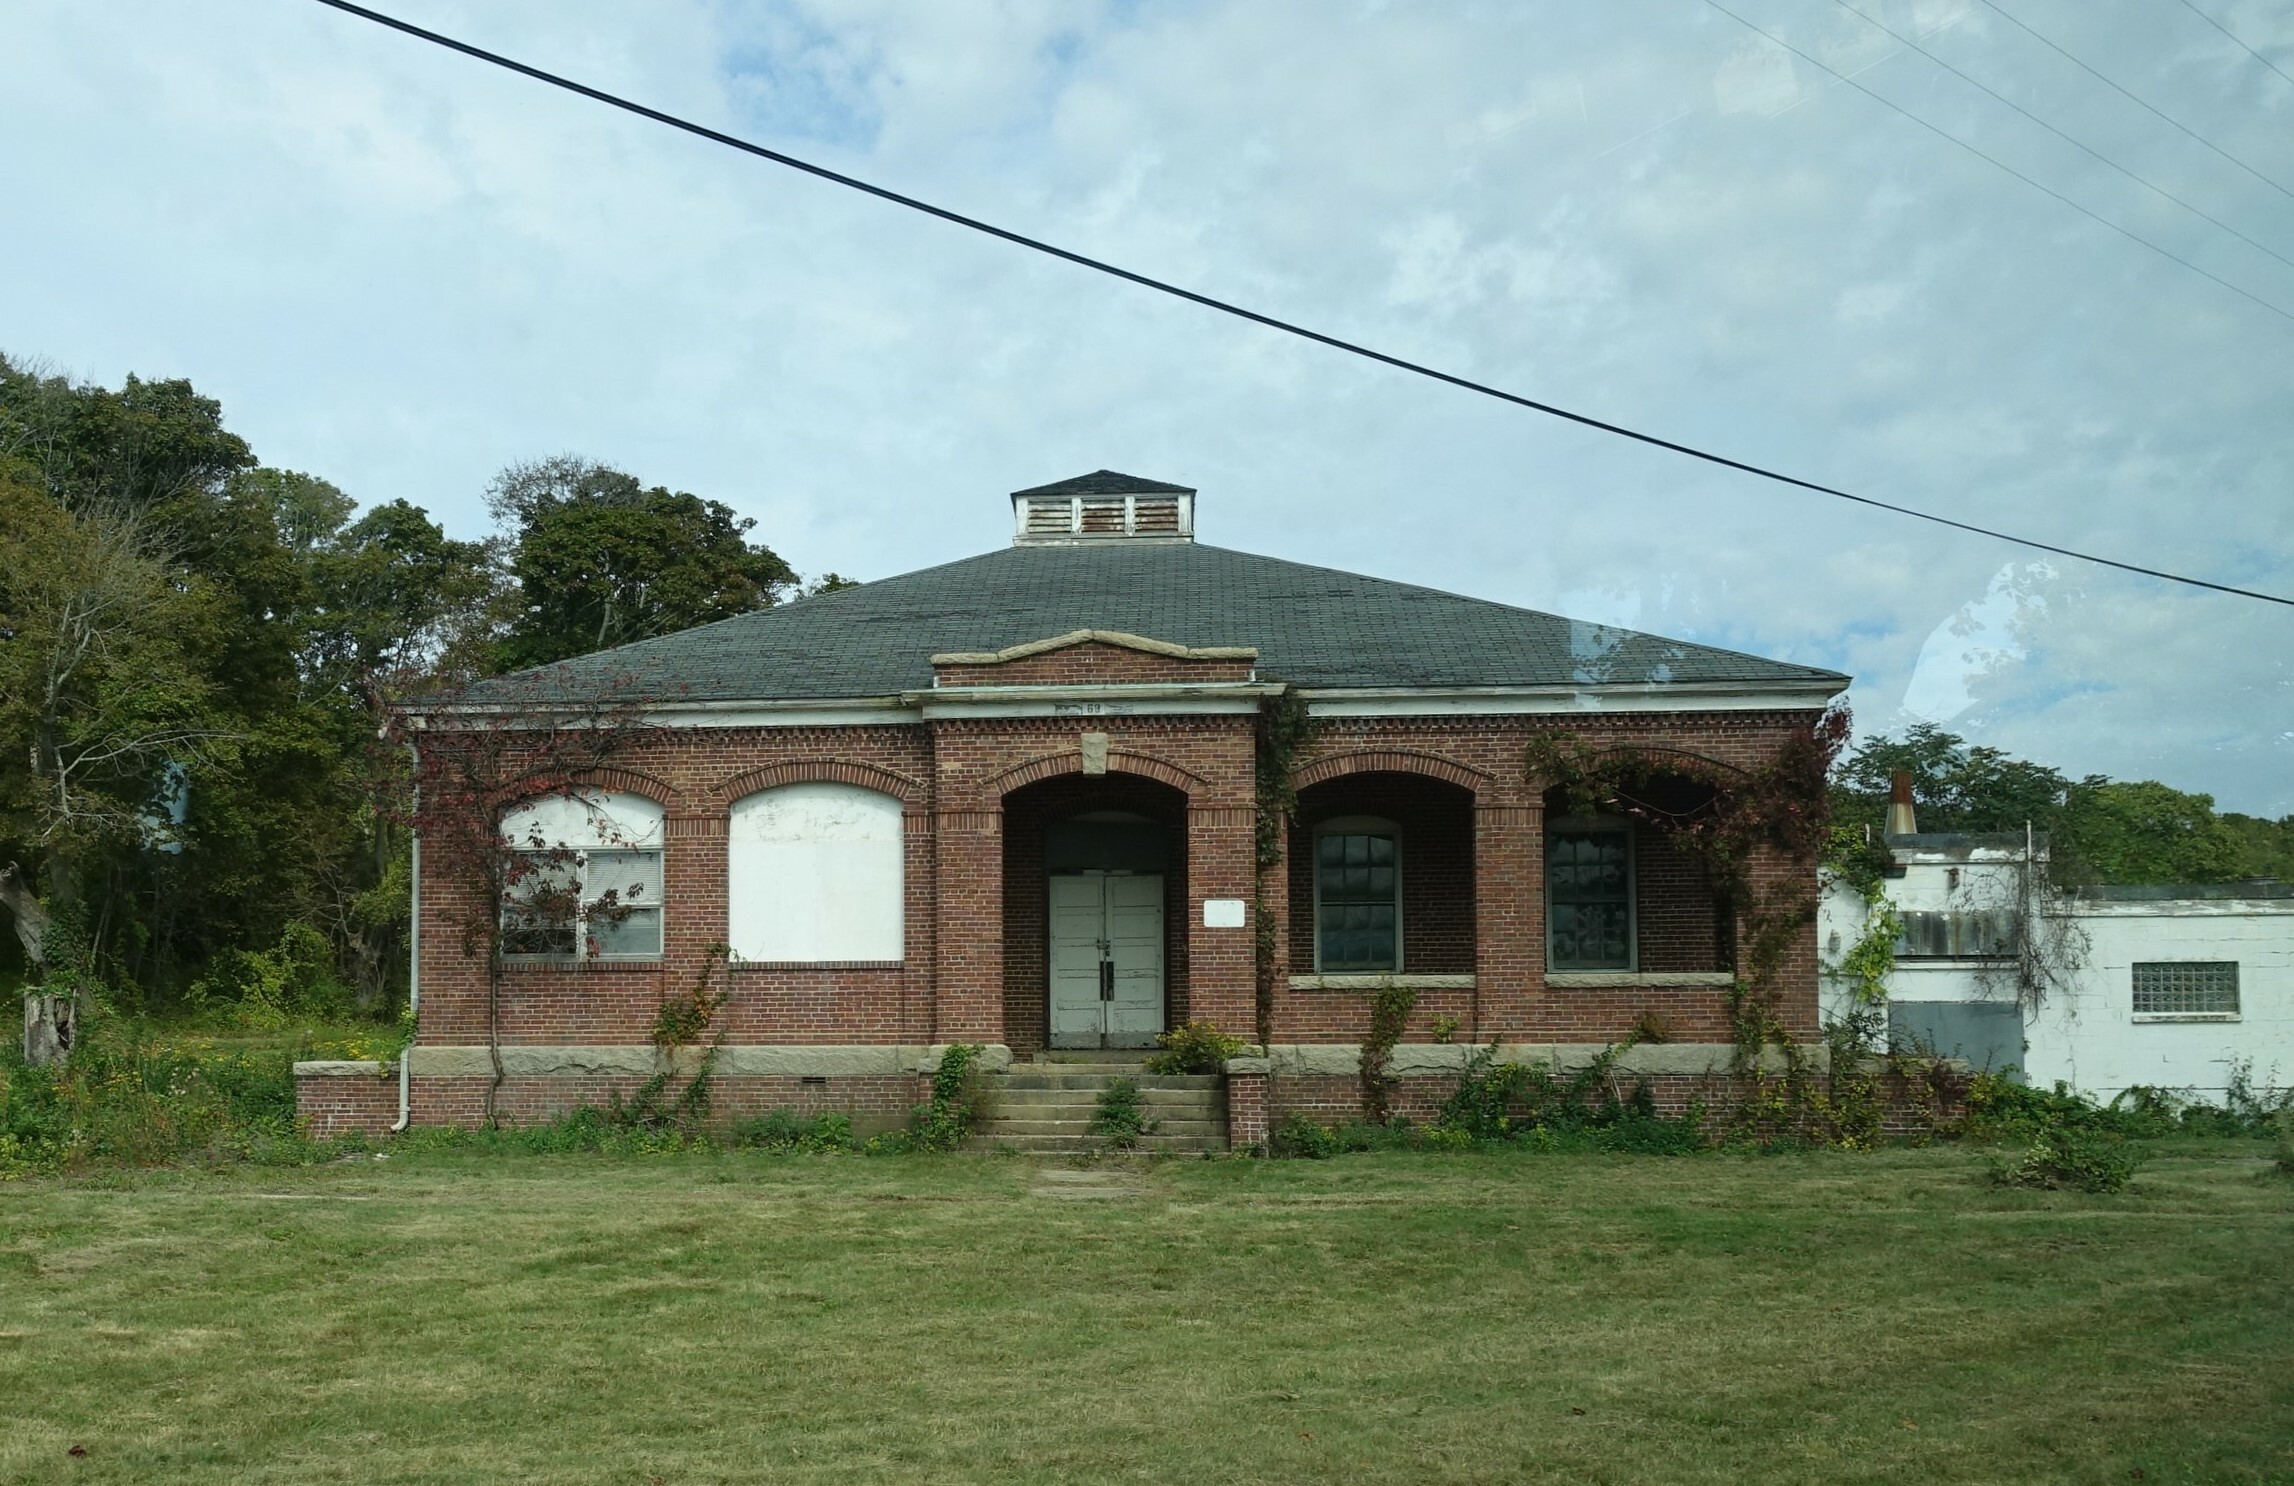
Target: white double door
x,y
1106,959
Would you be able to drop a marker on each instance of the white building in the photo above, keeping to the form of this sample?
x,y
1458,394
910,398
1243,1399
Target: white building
x,y
2172,987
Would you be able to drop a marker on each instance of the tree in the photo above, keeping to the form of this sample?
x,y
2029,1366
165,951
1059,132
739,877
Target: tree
x,y
2143,831
2099,829
601,560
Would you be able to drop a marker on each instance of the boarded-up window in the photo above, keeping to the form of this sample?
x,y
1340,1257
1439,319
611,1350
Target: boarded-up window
x,y
814,872
2186,987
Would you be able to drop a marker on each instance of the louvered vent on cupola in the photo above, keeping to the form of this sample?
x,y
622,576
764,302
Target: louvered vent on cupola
x,y
1104,507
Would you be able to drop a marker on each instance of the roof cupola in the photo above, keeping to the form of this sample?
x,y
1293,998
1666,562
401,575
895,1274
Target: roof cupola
x,y
1103,506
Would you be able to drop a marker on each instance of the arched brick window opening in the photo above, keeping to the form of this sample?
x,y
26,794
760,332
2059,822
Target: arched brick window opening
x,y
589,883
1363,840
1620,896
815,873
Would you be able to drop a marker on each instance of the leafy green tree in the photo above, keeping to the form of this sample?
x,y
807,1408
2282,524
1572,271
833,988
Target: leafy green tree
x,y
2144,831
2265,847
1956,786
2100,829
601,560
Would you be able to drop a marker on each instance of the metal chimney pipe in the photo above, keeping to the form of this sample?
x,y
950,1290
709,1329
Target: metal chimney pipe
x,y
1901,820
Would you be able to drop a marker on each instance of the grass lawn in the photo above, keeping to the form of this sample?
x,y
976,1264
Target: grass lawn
x,y
457,1317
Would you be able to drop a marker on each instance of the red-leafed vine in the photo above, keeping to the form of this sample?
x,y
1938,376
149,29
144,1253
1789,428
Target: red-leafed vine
x,y
1721,817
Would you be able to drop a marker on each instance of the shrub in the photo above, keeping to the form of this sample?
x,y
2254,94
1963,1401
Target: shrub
x,y
2001,1108
960,1098
2062,1158
786,1130
1120,1119
1498,1101
1193,1047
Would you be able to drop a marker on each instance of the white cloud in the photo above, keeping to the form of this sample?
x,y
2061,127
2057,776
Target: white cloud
x,y
403,270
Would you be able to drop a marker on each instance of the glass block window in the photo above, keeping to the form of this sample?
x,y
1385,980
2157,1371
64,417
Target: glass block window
x,y
2186,988
1357,898
1589,898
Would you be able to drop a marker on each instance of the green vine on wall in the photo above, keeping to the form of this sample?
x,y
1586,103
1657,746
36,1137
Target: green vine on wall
x,y
1732,815
1390,1007
1284,731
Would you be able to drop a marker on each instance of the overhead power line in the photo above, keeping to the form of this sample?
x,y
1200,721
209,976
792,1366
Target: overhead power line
x,y
1052,250
2026,28
2234,36
1942,133
2076,143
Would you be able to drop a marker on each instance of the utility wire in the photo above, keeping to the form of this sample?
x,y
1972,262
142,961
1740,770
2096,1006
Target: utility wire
x,y
1990,92
1051,250
2233,35
2026,29
1942,133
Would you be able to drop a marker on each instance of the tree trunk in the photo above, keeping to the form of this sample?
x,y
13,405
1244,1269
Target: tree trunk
x,y
50,1025
24,906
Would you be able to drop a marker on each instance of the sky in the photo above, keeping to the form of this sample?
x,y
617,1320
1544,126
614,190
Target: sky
x,y
402,270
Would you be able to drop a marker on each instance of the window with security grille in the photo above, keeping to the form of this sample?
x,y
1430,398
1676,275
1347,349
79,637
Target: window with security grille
x,y
2186,988
1358,898
1589,898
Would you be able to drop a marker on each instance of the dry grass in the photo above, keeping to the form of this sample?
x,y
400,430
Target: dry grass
x,y
448,1317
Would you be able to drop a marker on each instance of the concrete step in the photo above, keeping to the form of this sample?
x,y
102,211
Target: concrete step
x,y
1068,1078
999,1129
1150,1097
1069,1145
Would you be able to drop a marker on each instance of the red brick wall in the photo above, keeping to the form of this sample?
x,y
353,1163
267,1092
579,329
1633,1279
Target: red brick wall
x,y
971,969
1331,1100
1487,755
1092,663
333,1104
873,1103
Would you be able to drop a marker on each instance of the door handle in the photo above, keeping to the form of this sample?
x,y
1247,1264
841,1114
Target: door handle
x,y
1106,980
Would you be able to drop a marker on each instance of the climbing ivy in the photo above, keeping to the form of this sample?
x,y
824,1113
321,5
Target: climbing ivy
x,y
1782,806
1390,1007
1284,730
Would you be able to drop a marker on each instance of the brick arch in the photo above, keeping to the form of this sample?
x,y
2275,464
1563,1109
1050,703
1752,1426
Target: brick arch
x,y
821,771
1051,766
1655,755
1390,761
629,780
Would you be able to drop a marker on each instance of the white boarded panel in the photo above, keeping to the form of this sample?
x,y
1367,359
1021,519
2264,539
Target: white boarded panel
x,y
815,872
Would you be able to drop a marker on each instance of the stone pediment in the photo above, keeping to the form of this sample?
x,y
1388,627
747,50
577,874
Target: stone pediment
x,y
1094,657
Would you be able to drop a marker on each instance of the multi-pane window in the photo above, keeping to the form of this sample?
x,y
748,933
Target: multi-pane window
x,y
1357,897
2186,988
586,882
1589,898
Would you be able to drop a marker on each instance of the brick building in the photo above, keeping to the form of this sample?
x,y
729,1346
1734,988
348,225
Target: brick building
x,y
1012,800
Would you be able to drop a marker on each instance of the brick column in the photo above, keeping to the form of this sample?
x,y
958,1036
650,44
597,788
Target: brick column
x,y
1509,915
968,997
1222,963
1246,1111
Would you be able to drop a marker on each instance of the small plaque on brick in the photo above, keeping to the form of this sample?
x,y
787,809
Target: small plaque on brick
x,y
1223,913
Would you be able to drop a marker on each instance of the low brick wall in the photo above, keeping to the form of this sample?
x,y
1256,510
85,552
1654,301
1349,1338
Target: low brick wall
x,y
1910,1107
874,1103
347,1098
